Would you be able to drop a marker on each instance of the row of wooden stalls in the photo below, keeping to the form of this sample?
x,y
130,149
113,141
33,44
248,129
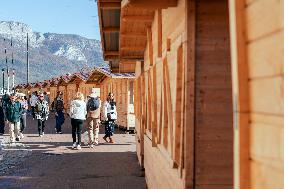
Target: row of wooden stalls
x,y
102,81
209,95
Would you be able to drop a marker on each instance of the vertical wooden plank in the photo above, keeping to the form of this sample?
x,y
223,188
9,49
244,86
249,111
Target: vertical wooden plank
x,y
240,94
179,106
154,104
168,100
160,33
189,94
150,45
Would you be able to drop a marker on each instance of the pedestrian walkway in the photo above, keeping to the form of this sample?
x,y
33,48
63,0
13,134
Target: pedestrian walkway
x,y
54,164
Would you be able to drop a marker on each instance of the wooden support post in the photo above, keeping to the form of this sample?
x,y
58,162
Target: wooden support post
x,y
241,94
150,45
160,33
189,119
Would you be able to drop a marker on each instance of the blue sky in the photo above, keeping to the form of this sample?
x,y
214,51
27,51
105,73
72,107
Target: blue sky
x,y
56,16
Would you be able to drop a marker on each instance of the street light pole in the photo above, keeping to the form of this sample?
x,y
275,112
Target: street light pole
x,y
3,75
13,79
28,64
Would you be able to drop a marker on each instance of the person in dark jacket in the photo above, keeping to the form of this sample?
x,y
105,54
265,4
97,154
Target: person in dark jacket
x,y
58,106
2,121
13,115
41,113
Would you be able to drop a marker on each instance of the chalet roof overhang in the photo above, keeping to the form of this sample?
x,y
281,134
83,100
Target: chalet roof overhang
x,y
130,25
76,79
96,77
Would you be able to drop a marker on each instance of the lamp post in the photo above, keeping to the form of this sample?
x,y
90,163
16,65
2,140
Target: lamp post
x,y
13,79
3,75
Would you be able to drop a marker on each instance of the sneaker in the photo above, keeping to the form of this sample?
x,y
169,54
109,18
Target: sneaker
x,y
60,132
96,142
42,133
79,147
21,135
74,145
91,146
17,139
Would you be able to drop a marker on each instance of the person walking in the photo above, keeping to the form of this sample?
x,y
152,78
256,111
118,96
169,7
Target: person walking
x,y
93,118
33,101
13,115
23,120
58,106
78,113
110,116
41,113
2,120
46,97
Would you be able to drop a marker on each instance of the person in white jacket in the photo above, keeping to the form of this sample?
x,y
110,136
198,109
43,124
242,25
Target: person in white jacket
x,y
78,114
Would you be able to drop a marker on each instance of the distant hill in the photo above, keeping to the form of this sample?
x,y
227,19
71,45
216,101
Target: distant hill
x,y
50,54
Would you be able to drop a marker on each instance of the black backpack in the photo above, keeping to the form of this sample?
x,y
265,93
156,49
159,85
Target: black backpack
x,y
93,104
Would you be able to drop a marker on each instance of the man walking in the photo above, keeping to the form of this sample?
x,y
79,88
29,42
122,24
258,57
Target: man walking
x,y
41,112
93,118
13,115
59,114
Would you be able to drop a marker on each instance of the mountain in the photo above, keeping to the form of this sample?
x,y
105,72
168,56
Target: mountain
x,y
50,54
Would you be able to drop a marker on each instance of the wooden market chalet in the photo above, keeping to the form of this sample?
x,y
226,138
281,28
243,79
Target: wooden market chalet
x,y
208,92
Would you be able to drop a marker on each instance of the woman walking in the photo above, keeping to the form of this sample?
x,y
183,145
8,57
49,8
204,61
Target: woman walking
x,y
23,120
110,115
41,113
78,113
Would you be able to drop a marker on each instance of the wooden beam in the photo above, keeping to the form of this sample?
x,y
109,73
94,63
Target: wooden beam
x,y
134,35
110,5
109,1
150,4
241,92
133,48
139,18
150,46
160,33
106,53
111,57
110,29
189,117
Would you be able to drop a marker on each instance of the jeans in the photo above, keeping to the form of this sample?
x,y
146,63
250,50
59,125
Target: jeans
x,y
2,122
33,111
93,128
23,121
14,130
77,125
109,128
59,121
41,126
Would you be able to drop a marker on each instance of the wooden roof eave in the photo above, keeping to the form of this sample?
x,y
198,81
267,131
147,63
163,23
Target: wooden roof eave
x,y
153,4
108,5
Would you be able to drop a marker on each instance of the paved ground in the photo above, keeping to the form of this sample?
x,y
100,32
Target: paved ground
x,y
50,162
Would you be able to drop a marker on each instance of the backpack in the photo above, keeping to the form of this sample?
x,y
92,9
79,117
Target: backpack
x,y
93,104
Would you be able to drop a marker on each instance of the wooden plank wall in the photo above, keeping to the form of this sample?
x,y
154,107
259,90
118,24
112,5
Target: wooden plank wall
x,y
261,34
213,104
161,109
159,99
